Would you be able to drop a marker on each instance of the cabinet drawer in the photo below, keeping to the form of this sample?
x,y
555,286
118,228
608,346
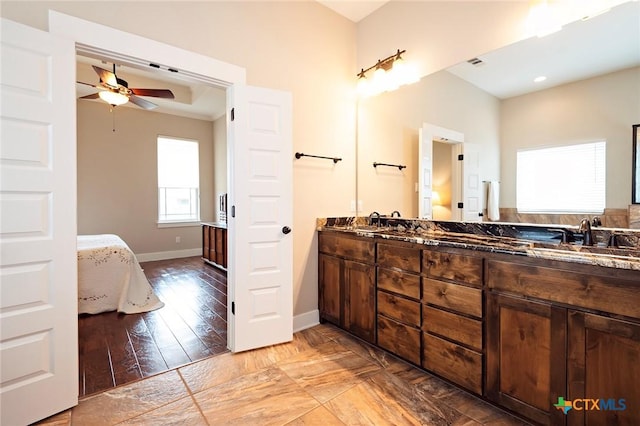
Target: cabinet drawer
x,y
352,248
401,309
399,339
615,294
399,282
455,327
458,298
460,365
451,266
405,258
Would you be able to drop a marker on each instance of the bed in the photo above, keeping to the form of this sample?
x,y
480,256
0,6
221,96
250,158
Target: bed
x,y
110,277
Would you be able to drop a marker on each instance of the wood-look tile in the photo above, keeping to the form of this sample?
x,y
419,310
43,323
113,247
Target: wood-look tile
x,y
423,406
60,419
483,412
267,397
183,412
128,401
317,417
222,368
362,405
328,370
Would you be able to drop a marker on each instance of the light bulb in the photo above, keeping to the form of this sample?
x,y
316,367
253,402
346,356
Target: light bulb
x,y
113,98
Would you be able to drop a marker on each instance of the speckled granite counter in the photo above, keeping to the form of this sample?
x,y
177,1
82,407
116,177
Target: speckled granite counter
x,y
541,241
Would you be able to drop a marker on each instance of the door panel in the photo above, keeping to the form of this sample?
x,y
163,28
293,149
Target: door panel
x,y
38,261
260,251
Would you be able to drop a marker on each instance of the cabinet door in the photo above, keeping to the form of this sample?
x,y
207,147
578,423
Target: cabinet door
x,y
359,288
206,243
330,295
526,349
604,363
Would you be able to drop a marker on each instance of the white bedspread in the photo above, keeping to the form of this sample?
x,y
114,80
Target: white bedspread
x,y
110,277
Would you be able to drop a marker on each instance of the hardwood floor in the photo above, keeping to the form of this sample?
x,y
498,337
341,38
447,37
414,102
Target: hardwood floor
x,y
120,348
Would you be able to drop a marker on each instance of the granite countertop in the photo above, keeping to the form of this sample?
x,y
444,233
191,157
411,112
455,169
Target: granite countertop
x,y
541,241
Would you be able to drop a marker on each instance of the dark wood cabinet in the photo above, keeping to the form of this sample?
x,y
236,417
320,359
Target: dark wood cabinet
x,y
518,331
346,291
214,244
604,364
452,343
526,352
398,300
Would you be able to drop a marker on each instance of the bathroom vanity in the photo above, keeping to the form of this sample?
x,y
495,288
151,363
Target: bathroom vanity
x,y
519,322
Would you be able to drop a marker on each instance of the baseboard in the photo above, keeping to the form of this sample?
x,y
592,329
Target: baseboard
x,y
173,254
306,320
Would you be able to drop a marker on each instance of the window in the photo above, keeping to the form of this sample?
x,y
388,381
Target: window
x,y
178,180
563,179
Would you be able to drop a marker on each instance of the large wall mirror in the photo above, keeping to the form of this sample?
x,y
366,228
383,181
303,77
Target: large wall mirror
x,y
635,139
592,92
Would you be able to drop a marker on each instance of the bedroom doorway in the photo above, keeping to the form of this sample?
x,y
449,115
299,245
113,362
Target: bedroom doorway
x,y
124,48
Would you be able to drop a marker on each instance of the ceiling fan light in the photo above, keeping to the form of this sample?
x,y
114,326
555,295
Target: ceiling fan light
x,y
113,98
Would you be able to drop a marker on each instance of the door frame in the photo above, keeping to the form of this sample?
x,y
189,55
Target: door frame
x,y
126,48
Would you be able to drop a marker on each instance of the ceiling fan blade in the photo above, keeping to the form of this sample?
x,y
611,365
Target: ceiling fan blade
x,y
142,103
92,96
156,93
88,84
106,76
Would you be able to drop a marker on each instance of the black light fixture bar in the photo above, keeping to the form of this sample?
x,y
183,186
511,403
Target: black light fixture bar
x,y
334,159
384,63
399,166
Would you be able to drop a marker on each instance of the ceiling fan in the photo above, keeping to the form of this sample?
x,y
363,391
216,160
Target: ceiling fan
x,y
116,91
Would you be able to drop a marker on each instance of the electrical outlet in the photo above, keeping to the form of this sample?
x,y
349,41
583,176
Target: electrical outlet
x,y
177,240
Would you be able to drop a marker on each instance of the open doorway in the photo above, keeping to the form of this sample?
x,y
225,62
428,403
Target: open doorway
x,y
116,168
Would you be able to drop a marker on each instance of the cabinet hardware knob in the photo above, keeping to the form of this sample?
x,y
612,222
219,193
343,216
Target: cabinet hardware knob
x,y
286,229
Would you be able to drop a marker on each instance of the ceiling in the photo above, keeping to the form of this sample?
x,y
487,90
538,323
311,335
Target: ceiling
x,y
612,42
605,43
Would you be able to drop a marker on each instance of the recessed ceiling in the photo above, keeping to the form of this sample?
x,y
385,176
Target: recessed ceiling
x,y
192,100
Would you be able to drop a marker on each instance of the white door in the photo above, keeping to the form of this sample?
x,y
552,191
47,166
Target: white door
x,y
260,277
38,263
472,186
425,174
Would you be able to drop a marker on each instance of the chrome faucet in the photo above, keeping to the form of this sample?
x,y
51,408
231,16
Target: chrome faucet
x,y
394,212
585,228
377,216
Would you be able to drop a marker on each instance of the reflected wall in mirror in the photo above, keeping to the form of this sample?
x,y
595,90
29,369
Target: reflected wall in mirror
x,y
599,105
636,163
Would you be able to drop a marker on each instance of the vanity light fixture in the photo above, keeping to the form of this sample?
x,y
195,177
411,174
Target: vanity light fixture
x,y
388,74
113,98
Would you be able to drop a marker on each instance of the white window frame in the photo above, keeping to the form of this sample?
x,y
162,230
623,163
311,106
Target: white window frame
x,y
561,179
169,223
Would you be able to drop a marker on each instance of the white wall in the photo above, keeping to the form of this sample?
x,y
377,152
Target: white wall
x,y
600,108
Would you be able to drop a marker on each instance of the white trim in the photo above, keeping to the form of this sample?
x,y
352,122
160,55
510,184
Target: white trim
x,y
96,39
179,224
306,320
173,254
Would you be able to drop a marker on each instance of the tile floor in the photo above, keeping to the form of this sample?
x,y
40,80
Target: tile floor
x,y
324,377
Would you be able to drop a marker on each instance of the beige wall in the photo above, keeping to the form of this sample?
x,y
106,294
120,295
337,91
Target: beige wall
x,y
301,47
309,50
600,108
118,175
